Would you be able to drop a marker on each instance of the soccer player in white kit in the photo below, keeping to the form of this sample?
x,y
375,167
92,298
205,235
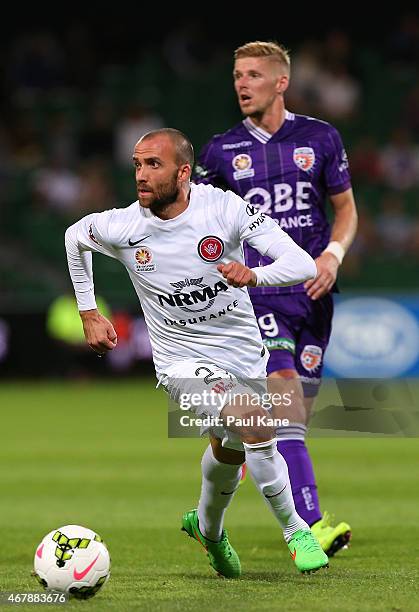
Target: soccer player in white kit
x,y
182,247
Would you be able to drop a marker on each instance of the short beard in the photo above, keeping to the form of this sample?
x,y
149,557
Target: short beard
x,y
163,201
165,196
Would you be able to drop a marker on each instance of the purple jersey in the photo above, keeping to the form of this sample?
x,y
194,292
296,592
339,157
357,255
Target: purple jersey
x,y
286,175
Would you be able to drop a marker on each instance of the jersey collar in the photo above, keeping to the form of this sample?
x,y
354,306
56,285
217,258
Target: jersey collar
x,y
262,135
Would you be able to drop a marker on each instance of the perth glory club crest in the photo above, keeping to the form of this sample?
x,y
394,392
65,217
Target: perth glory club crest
x,y
304,158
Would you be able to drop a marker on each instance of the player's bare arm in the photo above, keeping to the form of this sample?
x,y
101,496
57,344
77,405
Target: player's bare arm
x,y
237,274
343,233
99,332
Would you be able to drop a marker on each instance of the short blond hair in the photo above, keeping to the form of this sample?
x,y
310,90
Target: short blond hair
x,y
272,50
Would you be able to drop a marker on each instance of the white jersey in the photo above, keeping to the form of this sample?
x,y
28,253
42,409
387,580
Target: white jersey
x,y
190,310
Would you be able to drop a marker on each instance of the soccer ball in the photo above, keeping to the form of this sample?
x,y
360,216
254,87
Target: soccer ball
x,y
73,560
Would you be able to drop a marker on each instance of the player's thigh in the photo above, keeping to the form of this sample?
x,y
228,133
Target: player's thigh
x,y
204,389
311,345
198,386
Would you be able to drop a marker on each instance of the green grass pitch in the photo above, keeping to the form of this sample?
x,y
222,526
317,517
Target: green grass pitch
x,y
97,454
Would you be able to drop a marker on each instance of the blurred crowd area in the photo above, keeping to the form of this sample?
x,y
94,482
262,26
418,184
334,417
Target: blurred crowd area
x,y
70,116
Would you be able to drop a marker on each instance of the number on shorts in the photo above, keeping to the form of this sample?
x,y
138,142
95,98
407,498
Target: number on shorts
x,y
268,324
207,379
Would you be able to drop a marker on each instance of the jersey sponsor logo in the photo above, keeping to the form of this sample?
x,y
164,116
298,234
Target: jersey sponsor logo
x,y
285,200
204,295
285,197
144,258
133,243
242,165
311,357
344,164
295,221
304,158
251,210
237,145
257,222
92,236
203,318
210,248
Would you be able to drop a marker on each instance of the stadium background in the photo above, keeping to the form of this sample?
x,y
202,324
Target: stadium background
x,y
76,94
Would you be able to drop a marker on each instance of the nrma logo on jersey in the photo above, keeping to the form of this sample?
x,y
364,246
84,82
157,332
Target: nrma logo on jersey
x,y
374,338
204,296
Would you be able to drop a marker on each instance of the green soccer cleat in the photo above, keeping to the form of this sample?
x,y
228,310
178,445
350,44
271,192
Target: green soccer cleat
x,y
306,552
222,556
332,539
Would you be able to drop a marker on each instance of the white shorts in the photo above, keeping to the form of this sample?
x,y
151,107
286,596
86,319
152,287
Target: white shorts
x,y
211,387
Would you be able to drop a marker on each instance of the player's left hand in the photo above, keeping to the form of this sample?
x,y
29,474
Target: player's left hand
x,y
237,274
327,270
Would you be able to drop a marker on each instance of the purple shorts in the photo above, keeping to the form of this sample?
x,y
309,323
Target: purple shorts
x,y
296,330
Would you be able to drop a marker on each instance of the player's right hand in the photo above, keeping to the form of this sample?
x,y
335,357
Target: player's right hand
x,y
99,332
237,274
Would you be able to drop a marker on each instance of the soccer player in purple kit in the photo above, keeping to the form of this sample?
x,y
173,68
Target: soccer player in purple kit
x,y
287,165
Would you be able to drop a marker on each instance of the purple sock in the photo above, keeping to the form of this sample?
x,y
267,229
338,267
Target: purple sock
x,y
303,482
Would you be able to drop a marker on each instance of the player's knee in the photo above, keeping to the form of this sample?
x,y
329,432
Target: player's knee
x,y
255,438
308,405
226,455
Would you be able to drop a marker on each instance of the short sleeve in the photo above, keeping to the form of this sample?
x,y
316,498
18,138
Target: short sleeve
x,y
337,175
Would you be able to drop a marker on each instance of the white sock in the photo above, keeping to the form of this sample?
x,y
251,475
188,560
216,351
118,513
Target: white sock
x,y
219,483
270,473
